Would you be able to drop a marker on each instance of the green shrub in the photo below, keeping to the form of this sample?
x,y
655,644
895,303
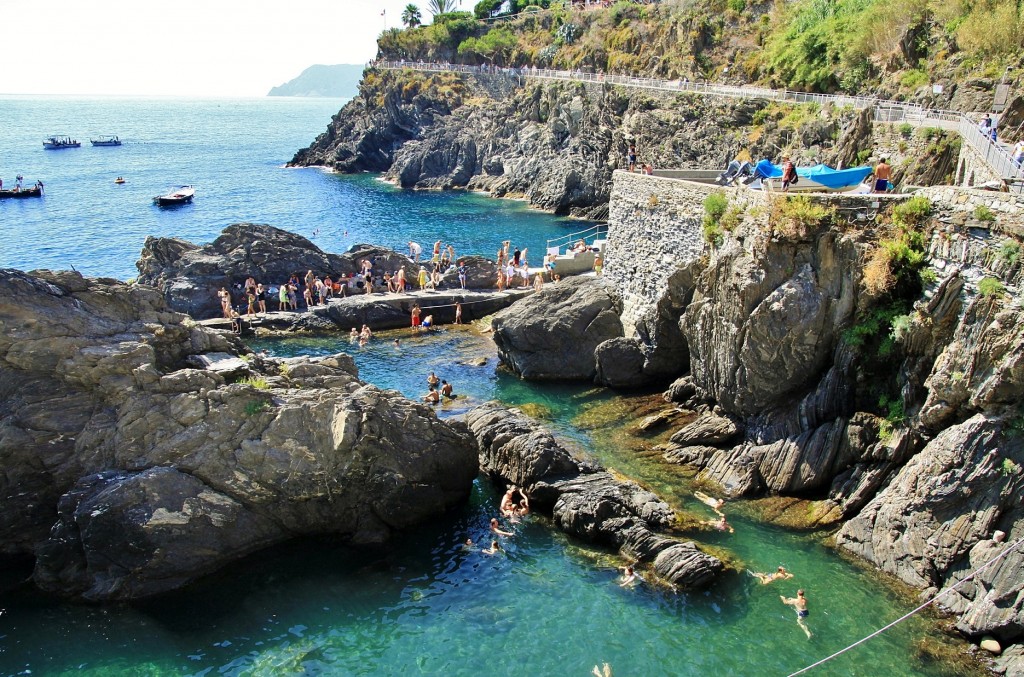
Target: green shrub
x,y
713,234
794,216
991,287
983,213
906,130
731,218
760,116
715,205
254,407
913,213
913,79
1008,467
900,326
1009,252
928,276
257,382
737,5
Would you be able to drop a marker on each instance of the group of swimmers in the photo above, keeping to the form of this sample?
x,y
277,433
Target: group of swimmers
x,y
362,336
438,388
512,508
799,603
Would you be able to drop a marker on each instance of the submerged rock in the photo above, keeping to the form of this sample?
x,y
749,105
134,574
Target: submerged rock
x,y
584,499
159,472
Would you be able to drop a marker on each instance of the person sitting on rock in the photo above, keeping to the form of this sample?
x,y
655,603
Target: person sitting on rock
x,y
432,397
446,389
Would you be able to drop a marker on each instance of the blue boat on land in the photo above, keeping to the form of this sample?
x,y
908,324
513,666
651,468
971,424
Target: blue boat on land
x,y
817,179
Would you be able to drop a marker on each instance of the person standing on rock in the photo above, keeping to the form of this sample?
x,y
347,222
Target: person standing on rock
x,y
225,301
416,312
462,274
414,251
800,604
261,297
310,279
436,258
883,172
458,312
293,299
422,278
400,280
631,156
282,298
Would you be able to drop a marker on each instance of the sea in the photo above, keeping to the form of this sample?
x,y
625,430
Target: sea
x,y
426,604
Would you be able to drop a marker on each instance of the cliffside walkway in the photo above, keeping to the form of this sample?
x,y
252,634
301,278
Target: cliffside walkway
x,y
994,155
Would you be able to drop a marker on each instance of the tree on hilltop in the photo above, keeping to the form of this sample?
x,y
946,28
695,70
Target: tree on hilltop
x,y
441,6
411,16
494,45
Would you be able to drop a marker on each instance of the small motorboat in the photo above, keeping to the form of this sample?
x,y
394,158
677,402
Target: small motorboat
x,y
176,196
56,142
119,180
106,141
817,179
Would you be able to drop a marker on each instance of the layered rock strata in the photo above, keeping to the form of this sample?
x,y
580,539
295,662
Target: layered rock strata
x,y
140,452
584,499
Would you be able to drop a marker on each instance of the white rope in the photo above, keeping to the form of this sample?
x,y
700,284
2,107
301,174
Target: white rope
x,y
908,615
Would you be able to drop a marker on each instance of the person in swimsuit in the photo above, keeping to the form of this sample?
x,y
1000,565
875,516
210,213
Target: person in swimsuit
x,y
800,604
493,550
433,380
446,389
432,397
496,528
778,574
720,524
628,576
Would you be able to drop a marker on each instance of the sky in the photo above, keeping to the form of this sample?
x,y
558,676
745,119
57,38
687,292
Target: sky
x,y
183,47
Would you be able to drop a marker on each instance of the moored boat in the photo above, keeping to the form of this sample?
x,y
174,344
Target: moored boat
x,y
175,196
56,142
106,141
32,191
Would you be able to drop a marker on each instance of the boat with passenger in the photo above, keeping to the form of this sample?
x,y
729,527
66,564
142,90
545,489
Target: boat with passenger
x,y
20,191
176,196
106,141
57,142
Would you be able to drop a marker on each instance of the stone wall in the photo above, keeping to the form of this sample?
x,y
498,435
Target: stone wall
x,y
972,170
655,228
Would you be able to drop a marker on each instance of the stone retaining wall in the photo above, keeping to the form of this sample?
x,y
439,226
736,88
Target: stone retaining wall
x,y
655,228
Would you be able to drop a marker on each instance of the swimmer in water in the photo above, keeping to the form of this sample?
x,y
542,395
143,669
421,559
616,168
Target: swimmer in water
x,y
800,604
628,576
719,524
778,574
433,380
496,528
493,550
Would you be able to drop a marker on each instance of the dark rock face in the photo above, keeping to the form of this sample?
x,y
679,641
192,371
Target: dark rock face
x,y
553,334
160,472
584,499
190,276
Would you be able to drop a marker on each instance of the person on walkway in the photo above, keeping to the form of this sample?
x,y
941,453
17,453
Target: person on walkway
x,y
462,274
631,156
800,604
310,278
225,301
261,297
777,575
400,280
788,173
883,172
985,126
1018,153
282,297
422,279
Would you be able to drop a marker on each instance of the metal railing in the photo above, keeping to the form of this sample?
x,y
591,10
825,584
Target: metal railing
x,y
997,157
590,235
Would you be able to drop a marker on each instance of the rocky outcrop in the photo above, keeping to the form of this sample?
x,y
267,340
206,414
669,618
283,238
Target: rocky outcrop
x,y
159,471
584,499
189,275
554,143
553,334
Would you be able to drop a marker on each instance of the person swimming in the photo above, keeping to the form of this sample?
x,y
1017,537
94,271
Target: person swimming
x,y
778,574
629,576
433,380
800,604
493,550
496,528
719,524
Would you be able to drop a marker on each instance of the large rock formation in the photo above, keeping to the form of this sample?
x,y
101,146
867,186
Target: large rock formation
x,y
552,335
557,143
584,499
163,457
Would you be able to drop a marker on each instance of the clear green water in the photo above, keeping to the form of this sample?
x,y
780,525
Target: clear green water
x,y
428,606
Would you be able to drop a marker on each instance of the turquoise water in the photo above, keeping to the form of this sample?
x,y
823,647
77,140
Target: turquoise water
x,y
425,605
233,151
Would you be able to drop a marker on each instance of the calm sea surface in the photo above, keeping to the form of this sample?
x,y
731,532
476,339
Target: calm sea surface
x,y
426,605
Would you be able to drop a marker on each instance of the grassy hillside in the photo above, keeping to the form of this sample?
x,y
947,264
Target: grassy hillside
x,y
891,47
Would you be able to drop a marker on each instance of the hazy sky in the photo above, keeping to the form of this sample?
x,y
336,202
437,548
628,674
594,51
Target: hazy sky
x,y
182,47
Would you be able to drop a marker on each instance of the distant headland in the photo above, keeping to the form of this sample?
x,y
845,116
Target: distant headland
x,y
338,80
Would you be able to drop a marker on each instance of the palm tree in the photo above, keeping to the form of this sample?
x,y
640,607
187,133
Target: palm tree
x,y
441,6
411,16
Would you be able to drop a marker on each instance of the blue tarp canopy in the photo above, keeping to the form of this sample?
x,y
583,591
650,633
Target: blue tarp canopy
x,y
823,174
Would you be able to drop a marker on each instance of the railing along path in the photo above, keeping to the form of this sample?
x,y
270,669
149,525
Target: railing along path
x,y
994,155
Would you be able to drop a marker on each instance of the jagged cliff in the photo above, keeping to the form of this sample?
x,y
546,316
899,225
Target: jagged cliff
x,y
873,368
